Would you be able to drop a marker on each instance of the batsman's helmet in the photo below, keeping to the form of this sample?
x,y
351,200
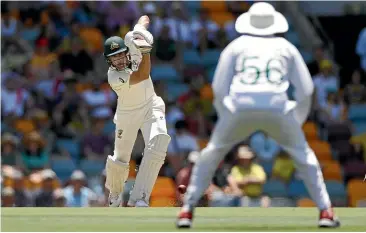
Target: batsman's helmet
x,y
112,46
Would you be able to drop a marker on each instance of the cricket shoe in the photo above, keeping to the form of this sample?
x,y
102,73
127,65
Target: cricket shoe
x,y
114,199
141,203
327,219
185,218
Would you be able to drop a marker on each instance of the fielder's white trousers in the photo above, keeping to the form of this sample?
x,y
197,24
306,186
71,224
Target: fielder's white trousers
x,y
233,128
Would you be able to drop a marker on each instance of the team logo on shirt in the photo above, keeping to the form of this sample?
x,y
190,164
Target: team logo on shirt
x,y
114,46
121,80
119,134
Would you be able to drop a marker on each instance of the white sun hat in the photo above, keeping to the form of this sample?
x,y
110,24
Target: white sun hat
x,y
262,20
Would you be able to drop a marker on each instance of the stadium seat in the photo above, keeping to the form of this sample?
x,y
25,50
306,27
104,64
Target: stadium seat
x,y
214,6
176,90
191,57
274,188
311,131
24,126
336,189
308,57
267,166
337,132
63,168
193,5
282,202
332,171
164,72
361,203
357,112
109,127
321,150
297,189
71,146
356,189
362,140
133,171
221,18
164,187
343,150
359,127
211,57
202,143
163,202
211,73
91,167
305,202
293,37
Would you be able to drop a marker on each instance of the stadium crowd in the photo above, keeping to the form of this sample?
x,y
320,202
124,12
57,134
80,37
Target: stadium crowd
x,y
57,108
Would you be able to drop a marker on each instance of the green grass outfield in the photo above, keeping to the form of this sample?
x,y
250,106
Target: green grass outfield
x,y
163,219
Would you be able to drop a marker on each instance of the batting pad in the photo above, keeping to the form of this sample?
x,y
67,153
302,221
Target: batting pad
x,y
153,160
116,174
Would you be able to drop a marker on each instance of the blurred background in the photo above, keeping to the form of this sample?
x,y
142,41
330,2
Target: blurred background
x,y
57,107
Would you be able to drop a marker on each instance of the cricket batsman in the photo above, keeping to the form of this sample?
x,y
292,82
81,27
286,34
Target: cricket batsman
x,y
250,87
138,107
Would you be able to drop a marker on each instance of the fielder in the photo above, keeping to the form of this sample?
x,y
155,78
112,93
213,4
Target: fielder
x,y
250,87
138,107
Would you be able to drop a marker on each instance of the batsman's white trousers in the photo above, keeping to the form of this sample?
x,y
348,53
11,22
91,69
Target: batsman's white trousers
x,y
150,118
233,128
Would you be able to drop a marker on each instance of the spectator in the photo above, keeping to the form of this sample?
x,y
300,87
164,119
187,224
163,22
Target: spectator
x,y
51,88
188,100
220,193
59,199
197,124
179,29
248,178
70,59
165,47
283,167
204,29
9,25
43,125
42,58
319,56
23,198
264,147
44,197
119,14
355,92
361,48
35,155
15,99
30,31
182,143
77,194
7,197
95,144
156,23
174,114
9,150
17,53
79,123
334,110
99,99
325,82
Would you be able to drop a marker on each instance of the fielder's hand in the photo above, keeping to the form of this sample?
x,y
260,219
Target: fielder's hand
x,y
143,39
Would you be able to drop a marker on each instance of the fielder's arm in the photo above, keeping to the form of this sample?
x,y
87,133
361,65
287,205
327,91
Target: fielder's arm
x,y
304,86
223,77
